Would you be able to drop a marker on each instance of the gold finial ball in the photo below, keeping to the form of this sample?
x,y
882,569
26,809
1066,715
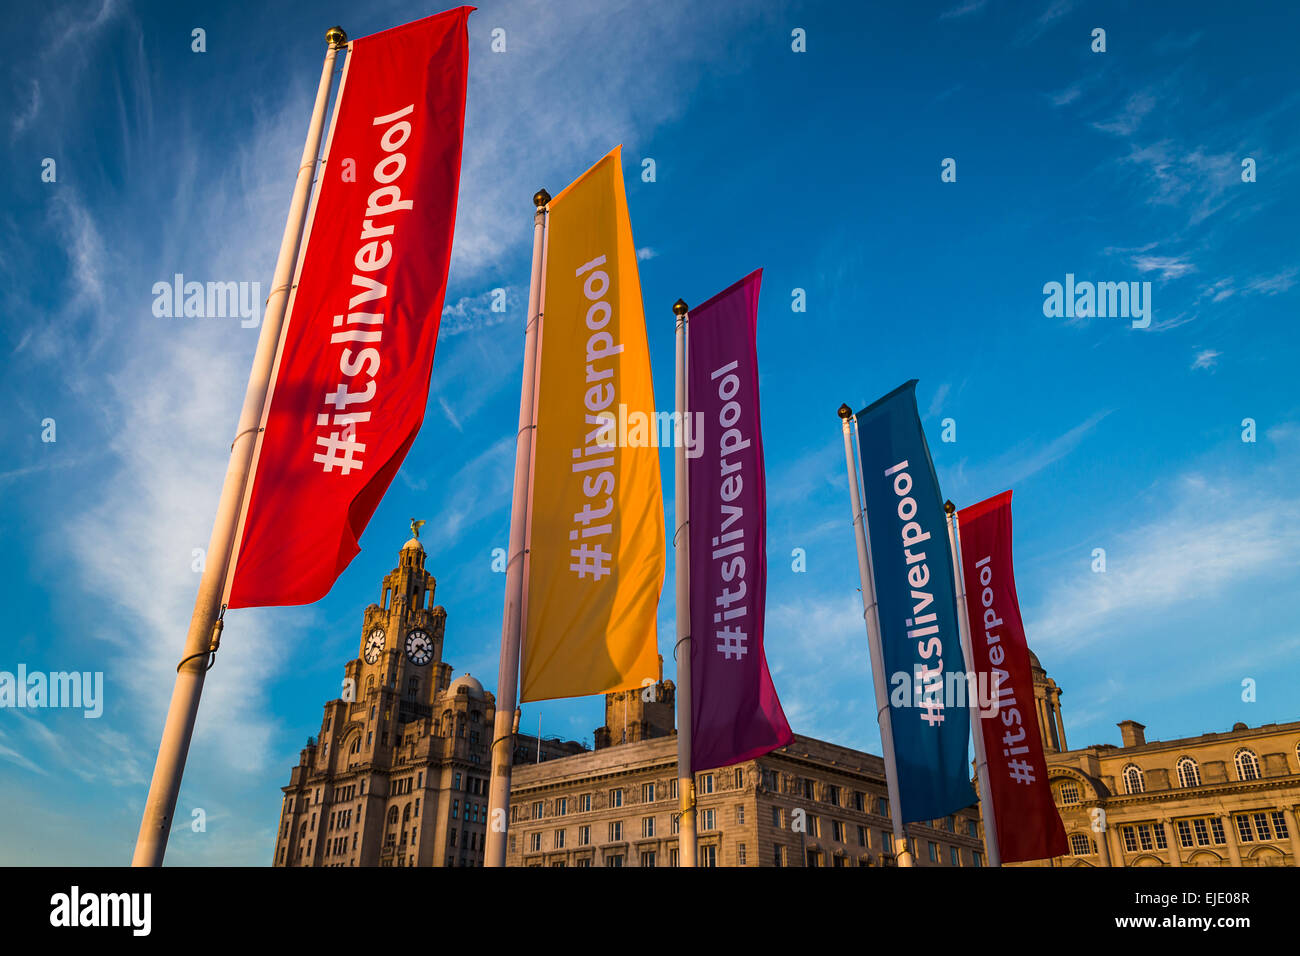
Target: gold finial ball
x,y
335,37
949,507
541,198
680,307
845,412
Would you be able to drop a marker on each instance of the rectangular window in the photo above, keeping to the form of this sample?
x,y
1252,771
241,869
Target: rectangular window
x,y
647,793
883,806
776,817
739,781
455,809
934,852
537,809
1162,841
561,806
954,855
1202,835
559,839
808,790
837,831
455,782
862,837
584,836
778,855
831,794
740,813
706,783
1130,840
859,801
1261,826
672,789
584,803
584,862
814,826
534,841
615,831
1216,827
709,855
1184,833
707,820
1279,825
740,854
616,797
978,858
647,826
672,857
1244,831
647,857
614,859
676,825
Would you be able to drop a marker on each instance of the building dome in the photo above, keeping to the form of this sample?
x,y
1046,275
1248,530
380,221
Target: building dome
x,y
413,545
471,685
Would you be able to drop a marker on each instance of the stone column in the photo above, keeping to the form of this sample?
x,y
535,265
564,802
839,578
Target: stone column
x,y
1044,730
1060,724
1230,831
1295,834
1103,848
1175,851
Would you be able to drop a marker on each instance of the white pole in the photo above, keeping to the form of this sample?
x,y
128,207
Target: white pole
x,y
507,717
205,623
686,835
972,694
871,613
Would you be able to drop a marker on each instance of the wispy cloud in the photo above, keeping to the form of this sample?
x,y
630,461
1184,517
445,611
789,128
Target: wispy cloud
x,y
1169,267
1206,358
1214,534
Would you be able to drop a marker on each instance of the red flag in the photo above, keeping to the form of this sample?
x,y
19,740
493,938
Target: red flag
x,y
1028,824
352,374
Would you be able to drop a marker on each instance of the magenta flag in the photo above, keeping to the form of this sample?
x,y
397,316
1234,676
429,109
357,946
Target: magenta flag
x,y
735,711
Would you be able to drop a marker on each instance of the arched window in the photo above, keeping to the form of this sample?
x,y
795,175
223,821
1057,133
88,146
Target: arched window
x,y
1069,793
1133,782
406,814
1189,773
1247,765
392,814
355,746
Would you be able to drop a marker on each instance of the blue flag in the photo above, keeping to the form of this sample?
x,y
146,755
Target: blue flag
x,y
912,567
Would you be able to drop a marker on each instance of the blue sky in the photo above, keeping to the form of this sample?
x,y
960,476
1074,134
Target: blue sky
x,y
823,168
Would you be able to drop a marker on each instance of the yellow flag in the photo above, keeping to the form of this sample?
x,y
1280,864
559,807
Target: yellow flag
x,y
595,561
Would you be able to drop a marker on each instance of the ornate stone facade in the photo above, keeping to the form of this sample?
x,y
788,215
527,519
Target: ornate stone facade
x,y
399,773
809,804
1219,799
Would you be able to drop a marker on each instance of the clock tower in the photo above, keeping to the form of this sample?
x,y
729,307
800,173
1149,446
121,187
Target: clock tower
x,y
399,773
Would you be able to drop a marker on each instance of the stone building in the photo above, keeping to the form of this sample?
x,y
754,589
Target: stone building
x,y
811,803
399,773
1218,799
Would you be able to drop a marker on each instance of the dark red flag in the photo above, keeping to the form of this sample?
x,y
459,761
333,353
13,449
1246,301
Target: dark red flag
x,y
352,375
1028,824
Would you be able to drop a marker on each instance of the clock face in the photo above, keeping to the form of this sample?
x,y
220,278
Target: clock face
x,y
419,647
374,644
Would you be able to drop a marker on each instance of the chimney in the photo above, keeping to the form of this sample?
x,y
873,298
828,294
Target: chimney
x,y
1132,733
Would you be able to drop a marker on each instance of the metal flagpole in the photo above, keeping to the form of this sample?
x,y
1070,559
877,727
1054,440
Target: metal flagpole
x,y
205,625
507,716
870,612
972,694
686,839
